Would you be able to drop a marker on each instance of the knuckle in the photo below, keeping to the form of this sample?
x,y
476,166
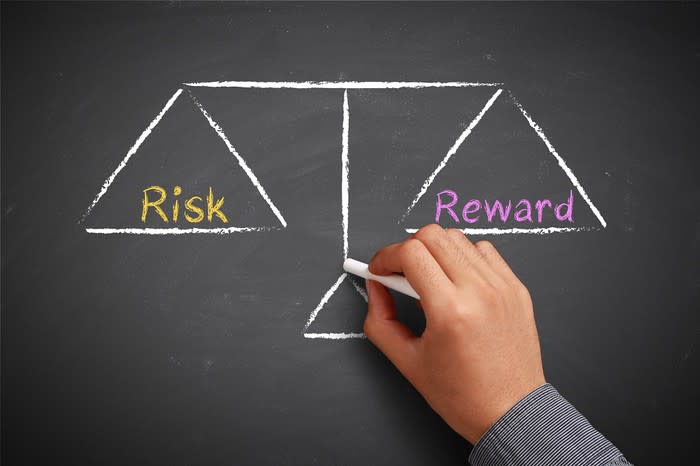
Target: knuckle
x,y
463,321
485,247
451,302
489,295
523,292
462,252
446,305
455,233
429,232
410,248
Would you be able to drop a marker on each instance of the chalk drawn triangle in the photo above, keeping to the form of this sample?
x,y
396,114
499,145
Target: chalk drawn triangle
x,y
502,155
183,146
340,313
395,137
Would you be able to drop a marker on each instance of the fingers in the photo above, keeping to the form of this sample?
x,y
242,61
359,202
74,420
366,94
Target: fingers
x,y
472,258
496,262
392,338
452,260
413,259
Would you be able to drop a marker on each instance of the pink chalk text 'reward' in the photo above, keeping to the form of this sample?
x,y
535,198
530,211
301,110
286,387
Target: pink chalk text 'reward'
x,y
524,211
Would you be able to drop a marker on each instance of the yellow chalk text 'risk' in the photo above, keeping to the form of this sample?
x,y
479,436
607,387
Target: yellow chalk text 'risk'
x,y
154,200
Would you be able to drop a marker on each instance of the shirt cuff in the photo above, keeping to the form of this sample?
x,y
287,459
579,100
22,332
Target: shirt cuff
x,y
543,429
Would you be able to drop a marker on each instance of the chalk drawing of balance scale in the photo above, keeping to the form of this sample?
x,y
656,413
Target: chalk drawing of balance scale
x,y
341,86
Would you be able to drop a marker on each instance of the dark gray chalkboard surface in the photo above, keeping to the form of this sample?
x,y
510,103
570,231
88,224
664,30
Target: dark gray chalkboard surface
x,y
126,348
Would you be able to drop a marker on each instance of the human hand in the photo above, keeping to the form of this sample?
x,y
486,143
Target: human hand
x,y
479,353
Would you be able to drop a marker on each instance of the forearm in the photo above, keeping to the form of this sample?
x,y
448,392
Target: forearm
x,y
544,429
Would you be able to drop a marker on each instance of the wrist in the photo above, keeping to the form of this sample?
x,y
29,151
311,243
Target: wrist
x,y
498,406
542,428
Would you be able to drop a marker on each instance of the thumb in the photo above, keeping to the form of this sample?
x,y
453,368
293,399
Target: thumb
x,y
393,338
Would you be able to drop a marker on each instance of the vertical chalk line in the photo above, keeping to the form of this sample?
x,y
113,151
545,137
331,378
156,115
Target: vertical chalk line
x,y
560,160
241,162
345,177
335,336
324,300
132,150
451,152
345,203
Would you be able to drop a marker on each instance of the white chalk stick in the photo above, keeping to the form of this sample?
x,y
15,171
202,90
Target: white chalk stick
x,y
395,282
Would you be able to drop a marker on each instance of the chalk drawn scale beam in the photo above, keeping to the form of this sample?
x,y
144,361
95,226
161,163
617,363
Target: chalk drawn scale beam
x,y
340,84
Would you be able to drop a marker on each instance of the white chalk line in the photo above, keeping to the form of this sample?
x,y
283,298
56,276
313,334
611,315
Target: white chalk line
x,y
241,162
345,202
345,178
560,160
517,231
336,336
132,150
176,231
340,84
326,297
359,289
324,300
462,137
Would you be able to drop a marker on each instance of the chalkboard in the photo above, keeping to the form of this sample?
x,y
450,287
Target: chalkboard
x,y
181,182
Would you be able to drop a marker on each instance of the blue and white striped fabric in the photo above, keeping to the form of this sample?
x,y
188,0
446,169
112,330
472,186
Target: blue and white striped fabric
x,y
544,429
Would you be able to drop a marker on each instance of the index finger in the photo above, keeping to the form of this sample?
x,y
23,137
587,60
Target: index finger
x,y
417,264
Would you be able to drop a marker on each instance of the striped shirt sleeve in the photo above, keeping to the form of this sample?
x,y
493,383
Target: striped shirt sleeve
x,y
544,429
